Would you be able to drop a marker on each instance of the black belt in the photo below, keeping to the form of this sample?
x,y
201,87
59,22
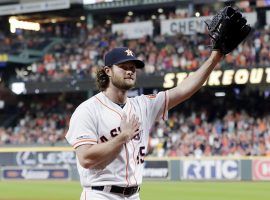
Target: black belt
x,y
126,191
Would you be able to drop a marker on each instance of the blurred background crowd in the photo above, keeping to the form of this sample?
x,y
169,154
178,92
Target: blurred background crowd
x,y
214,129
235,126
79,57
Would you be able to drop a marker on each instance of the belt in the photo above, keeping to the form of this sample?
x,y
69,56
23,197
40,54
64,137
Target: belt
x,y
126,191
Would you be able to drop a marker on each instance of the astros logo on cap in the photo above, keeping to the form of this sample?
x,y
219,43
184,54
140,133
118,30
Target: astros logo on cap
x,y
121,54
129,52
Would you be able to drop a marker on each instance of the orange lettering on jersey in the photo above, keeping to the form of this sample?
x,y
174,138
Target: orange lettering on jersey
x,y
115,132
103,139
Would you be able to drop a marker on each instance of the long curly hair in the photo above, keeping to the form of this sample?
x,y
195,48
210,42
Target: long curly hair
x,y
102,79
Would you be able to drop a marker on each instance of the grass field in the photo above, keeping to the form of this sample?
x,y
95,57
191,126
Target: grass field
x,y
55,190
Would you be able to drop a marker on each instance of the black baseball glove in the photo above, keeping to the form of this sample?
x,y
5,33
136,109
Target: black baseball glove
x,y
227,30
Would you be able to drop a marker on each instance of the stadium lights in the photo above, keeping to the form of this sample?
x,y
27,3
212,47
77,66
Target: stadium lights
x,y
154,17
2,104
160,10
15,24
18,87
197,14
266,93
108,21
220,94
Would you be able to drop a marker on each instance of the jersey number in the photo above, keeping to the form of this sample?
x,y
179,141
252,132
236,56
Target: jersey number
x,y
141,154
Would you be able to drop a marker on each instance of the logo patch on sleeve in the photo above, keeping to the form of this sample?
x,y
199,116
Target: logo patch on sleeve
x,y
84,137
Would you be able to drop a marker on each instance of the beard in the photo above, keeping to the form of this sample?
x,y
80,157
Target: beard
x,y
121,83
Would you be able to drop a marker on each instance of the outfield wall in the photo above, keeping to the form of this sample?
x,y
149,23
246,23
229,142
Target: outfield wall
x,y
60,163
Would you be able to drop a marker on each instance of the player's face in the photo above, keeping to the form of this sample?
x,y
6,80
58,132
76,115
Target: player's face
x,y
124,75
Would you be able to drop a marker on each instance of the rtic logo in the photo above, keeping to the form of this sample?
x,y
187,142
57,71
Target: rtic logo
x,y
114,132
261,170
211,169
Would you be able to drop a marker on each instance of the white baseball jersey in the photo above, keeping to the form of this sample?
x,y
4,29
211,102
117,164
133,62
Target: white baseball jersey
x,y
98,120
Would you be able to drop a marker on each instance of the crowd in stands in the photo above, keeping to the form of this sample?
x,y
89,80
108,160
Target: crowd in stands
x,y
82,49
41,121
15,43
79,58
234,132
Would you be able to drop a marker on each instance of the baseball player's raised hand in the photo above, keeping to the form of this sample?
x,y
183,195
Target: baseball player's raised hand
x,y
129,128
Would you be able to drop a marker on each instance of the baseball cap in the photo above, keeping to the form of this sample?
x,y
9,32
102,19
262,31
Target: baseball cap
x,y
121,54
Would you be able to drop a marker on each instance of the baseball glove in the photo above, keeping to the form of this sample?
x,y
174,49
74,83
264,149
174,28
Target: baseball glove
x,y
227,30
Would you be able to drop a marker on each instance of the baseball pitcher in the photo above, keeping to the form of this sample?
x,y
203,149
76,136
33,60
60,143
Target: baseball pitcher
x,y
110,131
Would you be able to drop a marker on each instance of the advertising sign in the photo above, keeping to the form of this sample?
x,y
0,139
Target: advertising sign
x,y
193,25
38,158
45,158
187,26
96,1
3,59
158,169
211,170
261,170
224,77
38,6
134,30
35,174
